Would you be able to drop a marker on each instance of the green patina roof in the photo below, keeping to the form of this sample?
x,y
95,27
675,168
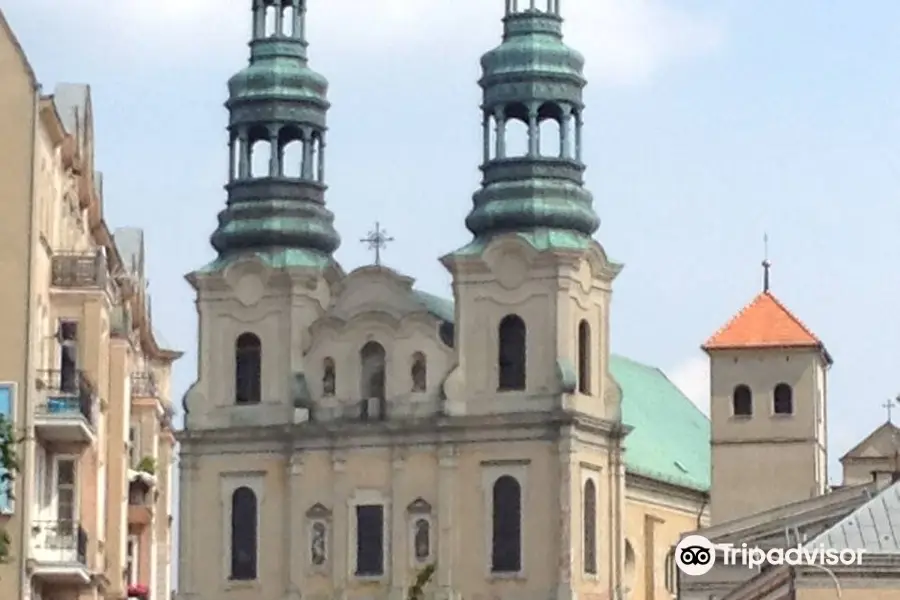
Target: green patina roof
x,y
669,441
277,258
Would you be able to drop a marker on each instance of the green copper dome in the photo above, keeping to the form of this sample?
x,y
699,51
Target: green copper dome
x,y
276,206
532,77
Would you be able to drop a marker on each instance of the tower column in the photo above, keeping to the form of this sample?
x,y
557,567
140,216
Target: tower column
x,y
232,142
578,126
259,19
534,132
300,19
486,132
321,173
244,149
279,19
565,123
306,169
501,133
275,153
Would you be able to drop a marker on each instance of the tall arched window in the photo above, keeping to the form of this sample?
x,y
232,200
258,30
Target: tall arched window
x,y
584,357
589,506
372,358
247,369
506,547
742,401
244,538
419,372
511,359
784,399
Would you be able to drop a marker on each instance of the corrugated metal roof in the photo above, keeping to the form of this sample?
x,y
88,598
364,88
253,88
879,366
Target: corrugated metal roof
x,y
873,527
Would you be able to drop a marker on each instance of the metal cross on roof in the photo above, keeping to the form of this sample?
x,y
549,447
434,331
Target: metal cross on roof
x,y
377,239
889,405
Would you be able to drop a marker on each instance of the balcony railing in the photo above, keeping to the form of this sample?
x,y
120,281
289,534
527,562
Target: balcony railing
x,y
59,542
79,270
66,393
144,385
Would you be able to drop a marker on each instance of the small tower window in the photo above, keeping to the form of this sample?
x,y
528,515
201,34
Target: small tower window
x,y
328,377
419,372
784,399
742,401
247,369
244,537
506,551
590,527
512,337
584,357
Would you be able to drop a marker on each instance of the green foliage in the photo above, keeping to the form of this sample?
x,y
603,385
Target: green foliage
x,y
417,589
147,465
9,462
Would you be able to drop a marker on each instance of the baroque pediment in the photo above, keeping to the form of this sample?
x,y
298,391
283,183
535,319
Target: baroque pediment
x,y
374,289
419,506
318,511
882,443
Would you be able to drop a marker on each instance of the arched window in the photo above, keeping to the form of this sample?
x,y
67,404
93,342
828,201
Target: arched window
x,y
589,507
511,357
419,373
784,399
244,538
328,377
584,357
372,359
506,548
247,369
742,401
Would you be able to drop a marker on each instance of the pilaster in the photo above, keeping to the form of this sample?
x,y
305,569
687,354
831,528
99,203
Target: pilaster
x,y
447,475
566,554
399,545
187,482
294,536
340,569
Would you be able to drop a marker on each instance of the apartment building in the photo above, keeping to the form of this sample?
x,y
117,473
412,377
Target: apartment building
x,y
83,377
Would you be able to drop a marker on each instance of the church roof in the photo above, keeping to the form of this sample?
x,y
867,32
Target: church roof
x,y
670,439
764,323
873,527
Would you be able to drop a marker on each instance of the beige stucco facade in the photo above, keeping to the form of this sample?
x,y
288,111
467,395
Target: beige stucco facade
x,y
77,301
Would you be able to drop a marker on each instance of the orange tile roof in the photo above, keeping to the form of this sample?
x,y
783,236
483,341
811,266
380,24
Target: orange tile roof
x,y
765,322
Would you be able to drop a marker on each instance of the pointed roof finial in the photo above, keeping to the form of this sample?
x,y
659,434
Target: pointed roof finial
x,y
766,265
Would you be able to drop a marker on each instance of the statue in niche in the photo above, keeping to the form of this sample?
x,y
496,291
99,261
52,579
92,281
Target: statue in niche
x,y
421,541
419,373
328,378
317,544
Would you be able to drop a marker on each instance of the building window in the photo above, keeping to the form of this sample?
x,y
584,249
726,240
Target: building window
x,y
584,357
671,573
419,373
244,535
68,356
590,527
506,547
511,359
66,496
328,377
131,560
369,540
784,399
247,369
373,360
742,401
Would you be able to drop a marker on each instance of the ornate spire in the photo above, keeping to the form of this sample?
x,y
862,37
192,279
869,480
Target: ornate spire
x,y
534,81
277,103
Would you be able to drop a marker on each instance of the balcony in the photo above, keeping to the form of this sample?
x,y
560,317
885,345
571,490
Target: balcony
x,y
140,504
65,409
144,385
79,270
59,552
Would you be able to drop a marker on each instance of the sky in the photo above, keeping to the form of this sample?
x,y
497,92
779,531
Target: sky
x,y
708,125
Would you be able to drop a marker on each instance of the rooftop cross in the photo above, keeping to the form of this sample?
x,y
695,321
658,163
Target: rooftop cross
x,y
377,240
889,406
766,265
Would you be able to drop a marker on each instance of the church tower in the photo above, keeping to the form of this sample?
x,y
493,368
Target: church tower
x,y
532,288
275,237
768,410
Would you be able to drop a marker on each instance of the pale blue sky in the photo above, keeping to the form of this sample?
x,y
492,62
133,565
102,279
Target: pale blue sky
x,y
708,123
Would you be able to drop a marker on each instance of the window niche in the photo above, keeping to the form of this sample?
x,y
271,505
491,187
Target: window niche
x,y
319,527
511,357
419,372
421,528
329,380
783,399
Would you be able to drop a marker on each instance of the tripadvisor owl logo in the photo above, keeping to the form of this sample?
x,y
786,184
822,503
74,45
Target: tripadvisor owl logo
x,y
695,555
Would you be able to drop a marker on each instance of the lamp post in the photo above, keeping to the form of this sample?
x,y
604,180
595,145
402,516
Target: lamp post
x,y
830,573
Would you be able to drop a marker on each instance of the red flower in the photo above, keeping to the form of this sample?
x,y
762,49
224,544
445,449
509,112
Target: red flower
x,y
139,590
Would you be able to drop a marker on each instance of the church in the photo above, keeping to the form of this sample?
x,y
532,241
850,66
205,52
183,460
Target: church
x,y
347,430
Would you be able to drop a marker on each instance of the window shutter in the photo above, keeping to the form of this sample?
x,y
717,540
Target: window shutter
x,y
6,401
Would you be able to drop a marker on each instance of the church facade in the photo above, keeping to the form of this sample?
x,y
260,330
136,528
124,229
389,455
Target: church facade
x,y
347,430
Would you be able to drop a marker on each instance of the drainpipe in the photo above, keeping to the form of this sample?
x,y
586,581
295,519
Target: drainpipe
x,y
25,390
